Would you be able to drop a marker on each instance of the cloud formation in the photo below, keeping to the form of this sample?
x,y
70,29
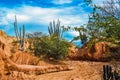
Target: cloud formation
x,y
62,1
36,14
72,16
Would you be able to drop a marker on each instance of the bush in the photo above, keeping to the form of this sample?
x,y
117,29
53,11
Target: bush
x,y
33,39
51,47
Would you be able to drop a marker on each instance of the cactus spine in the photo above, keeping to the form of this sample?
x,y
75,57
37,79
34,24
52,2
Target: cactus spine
x,y
20,34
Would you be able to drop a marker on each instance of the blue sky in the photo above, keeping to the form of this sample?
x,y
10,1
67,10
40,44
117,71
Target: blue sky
x,y
36,14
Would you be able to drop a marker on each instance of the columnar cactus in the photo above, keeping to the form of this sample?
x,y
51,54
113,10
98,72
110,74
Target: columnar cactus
x,y
108,74
56,30
20,34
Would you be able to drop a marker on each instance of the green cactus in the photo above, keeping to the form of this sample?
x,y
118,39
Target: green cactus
x,y
16,28
20,34
55,29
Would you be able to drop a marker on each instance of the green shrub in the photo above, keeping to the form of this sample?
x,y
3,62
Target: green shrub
x,y
53,45
33,39
50,47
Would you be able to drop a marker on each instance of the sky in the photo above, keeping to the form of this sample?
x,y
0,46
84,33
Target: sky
x,y
37,14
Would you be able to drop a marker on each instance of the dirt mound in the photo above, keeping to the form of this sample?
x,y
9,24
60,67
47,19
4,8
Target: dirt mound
x,y
4,45
98,52
2,33
24,58
29,59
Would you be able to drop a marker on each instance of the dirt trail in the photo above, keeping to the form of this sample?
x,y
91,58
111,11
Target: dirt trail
x,y
83,70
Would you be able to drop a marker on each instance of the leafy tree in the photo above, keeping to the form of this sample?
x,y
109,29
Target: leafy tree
x,y
82,35
111,11
111,8
104,22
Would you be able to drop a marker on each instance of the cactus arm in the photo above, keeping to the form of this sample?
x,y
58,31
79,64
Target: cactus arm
x,y
51,29
16,28
20,37
54,26
23,33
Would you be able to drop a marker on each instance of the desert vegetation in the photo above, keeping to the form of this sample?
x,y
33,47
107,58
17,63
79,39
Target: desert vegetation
x,y
35,54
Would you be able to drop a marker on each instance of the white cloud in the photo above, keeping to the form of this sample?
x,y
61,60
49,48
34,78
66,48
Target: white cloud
x,y
98,2
42,16
20,17
74,33
62,1
45,15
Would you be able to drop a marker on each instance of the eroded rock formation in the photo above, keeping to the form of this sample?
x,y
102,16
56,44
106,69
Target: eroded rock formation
x,y
98,52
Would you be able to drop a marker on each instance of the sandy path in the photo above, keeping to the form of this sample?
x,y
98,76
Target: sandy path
x,y
83,70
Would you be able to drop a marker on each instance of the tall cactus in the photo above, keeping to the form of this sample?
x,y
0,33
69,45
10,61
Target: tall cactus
x,y
16,29
55,29
20,34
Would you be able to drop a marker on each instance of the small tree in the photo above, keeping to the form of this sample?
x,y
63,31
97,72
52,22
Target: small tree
x,y
104,22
